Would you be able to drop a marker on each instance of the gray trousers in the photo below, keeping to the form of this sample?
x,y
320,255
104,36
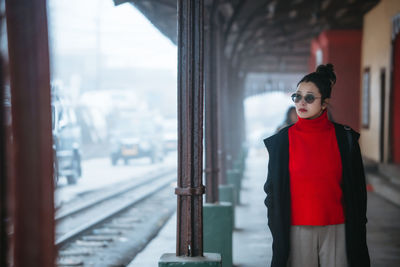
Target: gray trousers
x,y
313,246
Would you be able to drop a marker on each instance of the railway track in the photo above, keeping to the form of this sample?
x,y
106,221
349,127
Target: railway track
x,y
121,220
104,196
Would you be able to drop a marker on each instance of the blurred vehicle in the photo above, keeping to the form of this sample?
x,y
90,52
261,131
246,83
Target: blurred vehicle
x,y
135,135
66,141
170,142
170,135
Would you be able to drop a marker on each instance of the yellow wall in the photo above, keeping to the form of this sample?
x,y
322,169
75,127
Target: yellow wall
x,y
376,54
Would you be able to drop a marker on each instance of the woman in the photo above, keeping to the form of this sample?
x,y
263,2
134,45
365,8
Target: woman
x,y
290,118
316,193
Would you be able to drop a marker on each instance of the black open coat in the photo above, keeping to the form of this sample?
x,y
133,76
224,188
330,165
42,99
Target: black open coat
x,y
353,185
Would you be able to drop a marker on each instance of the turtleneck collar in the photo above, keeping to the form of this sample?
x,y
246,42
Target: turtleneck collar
x,y
320,123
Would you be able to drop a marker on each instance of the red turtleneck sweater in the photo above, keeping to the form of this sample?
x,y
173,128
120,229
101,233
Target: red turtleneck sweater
x,y
315,169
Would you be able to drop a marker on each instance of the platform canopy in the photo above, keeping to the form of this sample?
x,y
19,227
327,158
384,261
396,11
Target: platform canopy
x,y
267,36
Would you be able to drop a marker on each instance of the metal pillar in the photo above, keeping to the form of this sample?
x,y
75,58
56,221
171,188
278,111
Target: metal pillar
x,y
211,123
242,120
235,124
3,160
33,189
190,129
237,119
228,112
232,118
222,107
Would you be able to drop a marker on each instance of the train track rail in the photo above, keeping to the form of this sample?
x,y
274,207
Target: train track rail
x,y
63,213
77,221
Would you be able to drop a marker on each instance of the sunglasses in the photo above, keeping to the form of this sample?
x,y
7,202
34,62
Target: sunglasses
x,y
309,98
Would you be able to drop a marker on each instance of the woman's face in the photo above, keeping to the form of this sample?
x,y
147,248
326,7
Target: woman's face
x,y
309,110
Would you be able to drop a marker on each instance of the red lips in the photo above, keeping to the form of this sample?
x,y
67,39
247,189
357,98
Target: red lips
x,y
303,110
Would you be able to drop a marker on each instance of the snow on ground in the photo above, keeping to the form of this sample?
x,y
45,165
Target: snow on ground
x,y
98,173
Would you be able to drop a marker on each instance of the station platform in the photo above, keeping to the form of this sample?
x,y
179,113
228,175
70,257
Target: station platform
x,y
252,239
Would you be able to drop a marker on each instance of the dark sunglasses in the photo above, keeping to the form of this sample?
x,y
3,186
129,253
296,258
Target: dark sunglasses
x,y
309,98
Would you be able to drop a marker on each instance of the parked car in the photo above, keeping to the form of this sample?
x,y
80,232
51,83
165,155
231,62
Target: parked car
x,y
135,136
66,141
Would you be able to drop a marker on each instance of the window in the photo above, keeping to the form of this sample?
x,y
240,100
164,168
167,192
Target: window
x,y
318,57
366,98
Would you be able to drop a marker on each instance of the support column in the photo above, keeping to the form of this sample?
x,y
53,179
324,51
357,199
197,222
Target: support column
x,y
226,190
3,172
242,129
222,110
32,197
234,114
211,109
232,129
190,128
189,244
236,120
239,126
230,112
218,215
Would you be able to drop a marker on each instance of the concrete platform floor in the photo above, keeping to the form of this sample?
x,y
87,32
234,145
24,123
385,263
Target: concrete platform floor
x,y
252,239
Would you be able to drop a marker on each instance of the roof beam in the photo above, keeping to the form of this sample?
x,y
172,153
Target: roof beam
x,y
236,13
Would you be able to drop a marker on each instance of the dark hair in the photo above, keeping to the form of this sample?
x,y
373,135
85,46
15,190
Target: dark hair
x,y
324,78
288,120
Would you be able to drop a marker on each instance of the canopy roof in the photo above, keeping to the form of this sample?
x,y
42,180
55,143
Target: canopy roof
x,y
266,36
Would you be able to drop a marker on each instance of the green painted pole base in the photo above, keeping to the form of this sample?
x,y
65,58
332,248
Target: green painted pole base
x,y
233,178
217,230
227,194
239,166
208,260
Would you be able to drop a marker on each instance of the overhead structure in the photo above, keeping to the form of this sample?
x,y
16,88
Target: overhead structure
x,y
266,36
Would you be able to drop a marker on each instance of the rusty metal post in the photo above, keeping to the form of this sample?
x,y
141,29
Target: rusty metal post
x,y
211,123
190,129
235,119
238,125
221,104
232,111
227,111
33,213
242,120
3,160
240,117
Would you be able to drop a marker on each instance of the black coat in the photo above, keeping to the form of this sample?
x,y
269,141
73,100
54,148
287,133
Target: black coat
x,y
353,185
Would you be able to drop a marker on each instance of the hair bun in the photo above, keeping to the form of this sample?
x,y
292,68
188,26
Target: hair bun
x,y
325,68
328,71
